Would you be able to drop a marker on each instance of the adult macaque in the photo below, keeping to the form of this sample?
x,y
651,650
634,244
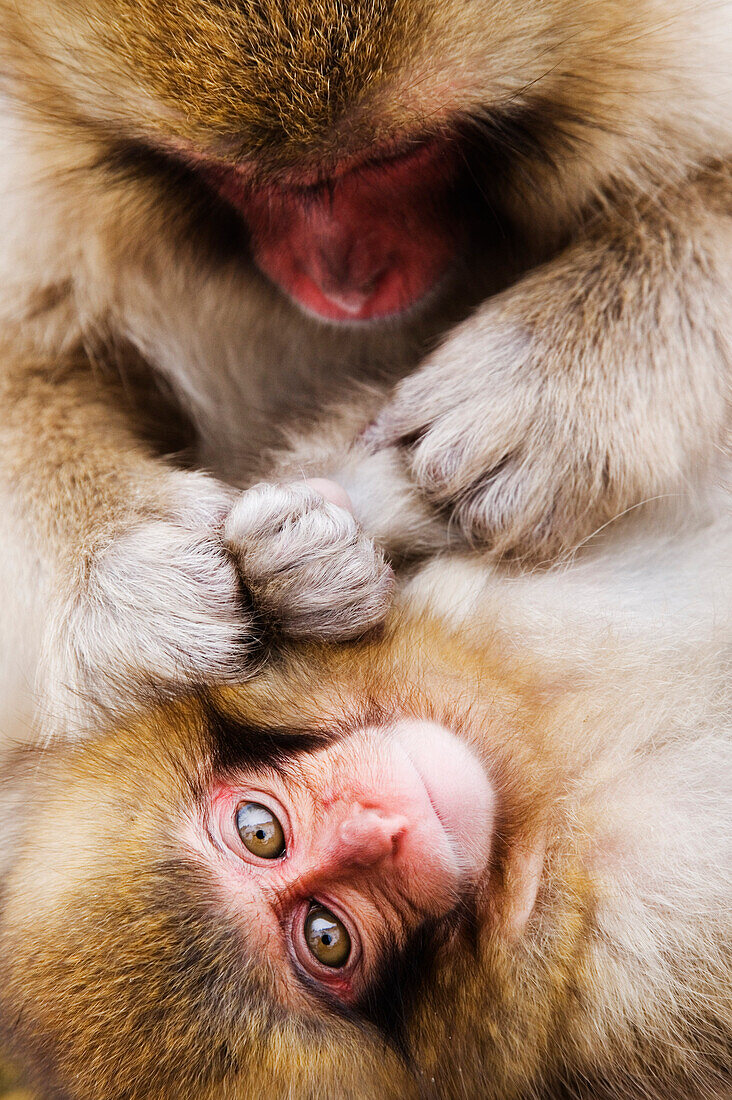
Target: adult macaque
x,y
243,206
485,857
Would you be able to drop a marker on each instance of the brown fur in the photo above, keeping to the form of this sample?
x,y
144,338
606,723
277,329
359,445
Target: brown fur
x,y
595,139
121,977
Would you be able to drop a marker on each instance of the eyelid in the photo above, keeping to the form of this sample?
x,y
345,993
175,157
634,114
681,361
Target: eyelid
x,y
224,808
304,964
286,899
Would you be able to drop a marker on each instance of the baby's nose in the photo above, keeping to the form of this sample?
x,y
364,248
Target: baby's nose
x,y
369,835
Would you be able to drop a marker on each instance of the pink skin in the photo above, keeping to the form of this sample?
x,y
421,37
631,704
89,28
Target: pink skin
x,y
386,828
331,491
367,243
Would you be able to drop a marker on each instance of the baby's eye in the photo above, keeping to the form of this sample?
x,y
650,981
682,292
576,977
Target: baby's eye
x,y
326,937
260,831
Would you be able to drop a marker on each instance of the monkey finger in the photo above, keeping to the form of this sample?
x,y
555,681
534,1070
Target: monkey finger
x,y
504,510
406,416
523,509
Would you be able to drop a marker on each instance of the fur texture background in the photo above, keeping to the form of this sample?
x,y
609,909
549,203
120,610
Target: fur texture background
x,y
595,138
578,366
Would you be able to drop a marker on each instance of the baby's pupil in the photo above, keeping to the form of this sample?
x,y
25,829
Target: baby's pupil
x,y
326,937
260,831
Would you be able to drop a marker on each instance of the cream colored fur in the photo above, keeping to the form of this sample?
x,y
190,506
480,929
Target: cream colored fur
x,y
634,645
598,695
591,384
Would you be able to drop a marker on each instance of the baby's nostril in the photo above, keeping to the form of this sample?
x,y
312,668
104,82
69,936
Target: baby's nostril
x,y
396,843
371,835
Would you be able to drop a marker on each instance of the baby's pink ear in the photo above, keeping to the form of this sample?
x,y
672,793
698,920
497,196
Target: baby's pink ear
x,y
331,490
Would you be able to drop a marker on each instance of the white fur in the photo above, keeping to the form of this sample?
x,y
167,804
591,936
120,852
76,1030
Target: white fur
x,y
308,563
239,355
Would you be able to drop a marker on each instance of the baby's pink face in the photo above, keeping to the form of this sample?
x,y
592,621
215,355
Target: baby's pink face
x,y
330,862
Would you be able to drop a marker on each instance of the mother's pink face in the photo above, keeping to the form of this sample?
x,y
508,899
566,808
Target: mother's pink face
x,y
330,861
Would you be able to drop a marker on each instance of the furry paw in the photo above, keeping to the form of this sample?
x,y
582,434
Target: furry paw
x,y
178,598
307,564
158,610
528,447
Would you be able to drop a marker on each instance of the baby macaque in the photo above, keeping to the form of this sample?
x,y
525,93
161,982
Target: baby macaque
x,y
217,216
484,856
